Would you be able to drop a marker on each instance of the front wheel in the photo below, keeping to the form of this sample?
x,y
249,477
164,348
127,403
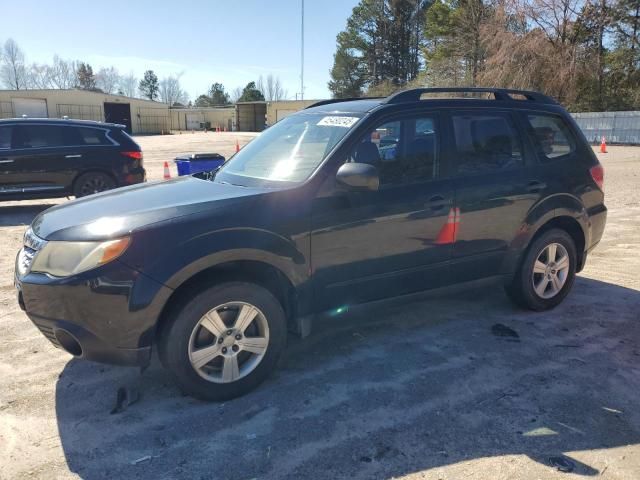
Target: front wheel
x,y
225,341
547,272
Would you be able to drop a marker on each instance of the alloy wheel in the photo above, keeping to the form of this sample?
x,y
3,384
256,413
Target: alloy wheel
x,y
229,342
550,270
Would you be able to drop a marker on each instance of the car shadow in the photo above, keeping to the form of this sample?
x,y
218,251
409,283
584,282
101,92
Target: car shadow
x,y
15,215
401,389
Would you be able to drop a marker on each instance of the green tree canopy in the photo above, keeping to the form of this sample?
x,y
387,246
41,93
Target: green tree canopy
x,y
86,78
251,94
149,85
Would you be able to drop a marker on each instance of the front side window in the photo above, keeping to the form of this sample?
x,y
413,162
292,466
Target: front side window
x,y
289,151
5,138
551,136
38,136
404,151
485,143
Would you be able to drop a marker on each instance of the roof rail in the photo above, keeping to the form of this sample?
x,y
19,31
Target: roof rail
x,y
340,100
504,94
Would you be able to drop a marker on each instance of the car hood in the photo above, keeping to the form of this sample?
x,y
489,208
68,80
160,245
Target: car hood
x,y
118,212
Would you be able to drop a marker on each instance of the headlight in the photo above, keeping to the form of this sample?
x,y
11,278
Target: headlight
x,y
62,259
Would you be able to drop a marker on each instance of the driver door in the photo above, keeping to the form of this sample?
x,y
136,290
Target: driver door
x,y
368,245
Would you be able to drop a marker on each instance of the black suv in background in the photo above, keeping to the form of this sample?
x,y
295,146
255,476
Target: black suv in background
x,y
343,203
44,158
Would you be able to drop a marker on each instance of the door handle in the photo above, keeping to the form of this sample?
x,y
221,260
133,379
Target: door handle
x,y
73,156
536,186
437,202
7,160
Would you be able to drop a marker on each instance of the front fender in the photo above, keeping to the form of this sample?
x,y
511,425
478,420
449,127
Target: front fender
x,y
246,244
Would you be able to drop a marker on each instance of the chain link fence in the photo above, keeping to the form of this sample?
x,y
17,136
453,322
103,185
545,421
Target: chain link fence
x,y
615,127
152,120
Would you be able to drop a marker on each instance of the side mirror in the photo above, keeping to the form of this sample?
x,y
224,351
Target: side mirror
x,y
359,175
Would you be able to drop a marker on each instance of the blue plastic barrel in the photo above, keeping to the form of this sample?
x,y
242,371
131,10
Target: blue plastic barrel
x,y
198,162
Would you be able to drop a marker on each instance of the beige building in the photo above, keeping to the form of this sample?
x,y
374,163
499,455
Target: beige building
x,y
143,116
140,116
278,110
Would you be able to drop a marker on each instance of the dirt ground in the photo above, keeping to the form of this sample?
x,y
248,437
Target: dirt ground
x,y
432,388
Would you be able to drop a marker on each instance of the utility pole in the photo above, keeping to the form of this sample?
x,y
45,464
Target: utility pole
x,y
302,53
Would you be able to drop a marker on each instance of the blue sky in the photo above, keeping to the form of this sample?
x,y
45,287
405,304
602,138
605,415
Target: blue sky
x,y
232,41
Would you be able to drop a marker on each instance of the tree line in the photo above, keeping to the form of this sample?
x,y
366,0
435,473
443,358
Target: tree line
x,y
585,53
17,74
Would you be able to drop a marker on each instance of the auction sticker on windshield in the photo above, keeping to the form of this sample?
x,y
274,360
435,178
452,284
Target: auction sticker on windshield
x,y
336,121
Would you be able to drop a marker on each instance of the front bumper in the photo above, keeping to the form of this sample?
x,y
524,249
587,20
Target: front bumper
x,y
106,315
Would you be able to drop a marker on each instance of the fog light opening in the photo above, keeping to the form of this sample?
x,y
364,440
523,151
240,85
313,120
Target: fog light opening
x,y
68,342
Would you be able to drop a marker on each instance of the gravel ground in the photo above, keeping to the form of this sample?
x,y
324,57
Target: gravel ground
x,y
462,386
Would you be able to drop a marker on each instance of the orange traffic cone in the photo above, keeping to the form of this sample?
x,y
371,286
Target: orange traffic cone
x,y
603,145
448,231
237,146
167,173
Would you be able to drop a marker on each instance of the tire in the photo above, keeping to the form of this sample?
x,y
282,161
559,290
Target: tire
x,y
92,182
550,291
189,340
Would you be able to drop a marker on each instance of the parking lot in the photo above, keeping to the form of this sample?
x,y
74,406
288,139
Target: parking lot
x,y
453,387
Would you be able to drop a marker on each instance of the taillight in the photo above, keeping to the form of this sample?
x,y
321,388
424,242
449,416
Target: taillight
x,y
597,173
134,155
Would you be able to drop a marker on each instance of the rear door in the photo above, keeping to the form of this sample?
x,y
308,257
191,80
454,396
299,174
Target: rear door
x,y
41,158
7,162
493,193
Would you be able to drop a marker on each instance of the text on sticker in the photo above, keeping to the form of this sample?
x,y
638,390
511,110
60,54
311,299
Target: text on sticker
x,y
336,121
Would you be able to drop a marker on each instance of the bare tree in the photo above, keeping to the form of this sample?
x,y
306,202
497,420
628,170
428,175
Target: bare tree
x,y
260,86
39,76
171,92
107,79
272,89
545,57
129,85
236,93
62,73
13,72
275,91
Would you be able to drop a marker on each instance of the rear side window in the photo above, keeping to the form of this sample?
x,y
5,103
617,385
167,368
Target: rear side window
x,y
485,143
93,136
551,136
5,138
38,136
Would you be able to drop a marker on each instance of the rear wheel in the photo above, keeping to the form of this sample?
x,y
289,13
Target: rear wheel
x,y
92,182
224,341
547,272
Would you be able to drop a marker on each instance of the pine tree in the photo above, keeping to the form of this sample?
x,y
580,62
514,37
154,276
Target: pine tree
x,y
149,85
86,78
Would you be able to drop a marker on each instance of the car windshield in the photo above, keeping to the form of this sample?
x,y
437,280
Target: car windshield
x,y
287,152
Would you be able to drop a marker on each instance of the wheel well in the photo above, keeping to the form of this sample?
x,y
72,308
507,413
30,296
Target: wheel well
x,y
256,272
573,228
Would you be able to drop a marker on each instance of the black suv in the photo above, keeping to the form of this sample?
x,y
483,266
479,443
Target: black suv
x,y
344,203
45,158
